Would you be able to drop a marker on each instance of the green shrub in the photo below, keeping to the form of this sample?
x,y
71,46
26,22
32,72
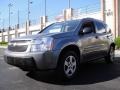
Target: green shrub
x,y
3,43
117,42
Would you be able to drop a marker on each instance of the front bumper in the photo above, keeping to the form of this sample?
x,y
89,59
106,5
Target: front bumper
x,y
39,60
23,63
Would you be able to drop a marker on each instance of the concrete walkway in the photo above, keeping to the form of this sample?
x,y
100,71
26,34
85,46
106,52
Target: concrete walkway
x,y
117,53
3,46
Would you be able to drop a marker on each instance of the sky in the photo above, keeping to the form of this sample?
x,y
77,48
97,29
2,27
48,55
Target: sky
x,y
53,8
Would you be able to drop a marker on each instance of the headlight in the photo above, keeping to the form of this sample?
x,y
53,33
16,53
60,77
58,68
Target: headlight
x,y
43,44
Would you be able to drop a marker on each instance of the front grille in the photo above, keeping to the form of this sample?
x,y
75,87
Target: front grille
x,y
18,46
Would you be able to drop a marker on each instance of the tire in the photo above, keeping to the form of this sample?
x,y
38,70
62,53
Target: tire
x,y
111,55
68,65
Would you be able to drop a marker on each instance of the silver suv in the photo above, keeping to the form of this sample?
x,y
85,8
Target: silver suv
x,y
63,46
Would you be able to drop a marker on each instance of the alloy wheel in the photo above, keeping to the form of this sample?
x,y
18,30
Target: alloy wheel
x,y
70,66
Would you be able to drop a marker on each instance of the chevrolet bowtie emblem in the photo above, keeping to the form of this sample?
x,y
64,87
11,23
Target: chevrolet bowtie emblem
x,y
14,44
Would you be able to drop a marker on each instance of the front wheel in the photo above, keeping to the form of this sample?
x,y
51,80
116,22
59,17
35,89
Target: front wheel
x,y
111,55
68,65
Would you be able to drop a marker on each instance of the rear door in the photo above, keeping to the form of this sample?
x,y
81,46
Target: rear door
x,y
102,38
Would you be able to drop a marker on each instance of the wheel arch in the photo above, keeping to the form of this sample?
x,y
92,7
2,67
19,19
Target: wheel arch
x,y
112,45
71,47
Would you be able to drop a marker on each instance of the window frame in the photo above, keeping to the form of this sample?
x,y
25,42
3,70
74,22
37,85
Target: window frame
x,y
92,24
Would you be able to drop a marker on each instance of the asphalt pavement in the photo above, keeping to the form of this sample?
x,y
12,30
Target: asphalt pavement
x,y
92,76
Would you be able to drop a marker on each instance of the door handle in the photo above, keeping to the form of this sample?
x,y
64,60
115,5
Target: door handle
x,y
107,36
96,37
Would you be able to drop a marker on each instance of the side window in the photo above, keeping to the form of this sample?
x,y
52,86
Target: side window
x,y
108,29
88,26
100,27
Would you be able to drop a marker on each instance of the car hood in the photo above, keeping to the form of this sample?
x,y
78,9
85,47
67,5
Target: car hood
x,y
38,36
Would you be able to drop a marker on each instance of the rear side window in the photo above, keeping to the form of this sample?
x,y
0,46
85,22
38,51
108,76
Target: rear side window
x,y
100,27
108,29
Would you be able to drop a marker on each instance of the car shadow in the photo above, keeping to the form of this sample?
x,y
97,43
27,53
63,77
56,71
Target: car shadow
x,y
90,73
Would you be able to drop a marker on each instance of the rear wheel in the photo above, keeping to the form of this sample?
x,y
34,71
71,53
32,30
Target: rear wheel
x,y
111,55
68,65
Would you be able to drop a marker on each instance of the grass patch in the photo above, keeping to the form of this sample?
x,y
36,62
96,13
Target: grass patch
x,y
3,43
117,42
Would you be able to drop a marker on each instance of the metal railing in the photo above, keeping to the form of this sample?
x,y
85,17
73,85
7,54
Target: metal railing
x,y
86,11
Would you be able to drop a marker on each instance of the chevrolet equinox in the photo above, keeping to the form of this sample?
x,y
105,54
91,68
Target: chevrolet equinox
x,y
62,46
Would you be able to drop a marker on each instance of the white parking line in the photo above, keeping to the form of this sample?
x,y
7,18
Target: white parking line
x,y
12,68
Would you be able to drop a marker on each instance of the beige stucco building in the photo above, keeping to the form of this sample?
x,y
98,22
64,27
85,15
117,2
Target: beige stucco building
x,y
110,10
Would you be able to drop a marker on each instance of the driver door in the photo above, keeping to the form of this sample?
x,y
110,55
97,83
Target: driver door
x,y
88,41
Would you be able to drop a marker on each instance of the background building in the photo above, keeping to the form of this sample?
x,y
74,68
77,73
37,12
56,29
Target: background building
x,y
109,12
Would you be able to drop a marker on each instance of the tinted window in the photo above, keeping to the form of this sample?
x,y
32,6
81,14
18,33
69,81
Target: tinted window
x,y
100,27
89,25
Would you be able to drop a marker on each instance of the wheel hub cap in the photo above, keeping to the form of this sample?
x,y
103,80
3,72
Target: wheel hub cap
x,y
70,65
112,54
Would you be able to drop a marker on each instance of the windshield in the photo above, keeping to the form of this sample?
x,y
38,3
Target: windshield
x,y
61,27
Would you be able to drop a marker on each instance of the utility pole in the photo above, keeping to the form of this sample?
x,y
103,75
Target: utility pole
x,y
9,5
3,23
28,9
45,8
2,28
0,21
28,18
69,4
18,19
29,2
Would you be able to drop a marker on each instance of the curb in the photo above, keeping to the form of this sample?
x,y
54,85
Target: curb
x,y
117,50
4,47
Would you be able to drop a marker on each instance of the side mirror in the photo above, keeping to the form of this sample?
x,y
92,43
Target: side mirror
x,y
86,30
109,31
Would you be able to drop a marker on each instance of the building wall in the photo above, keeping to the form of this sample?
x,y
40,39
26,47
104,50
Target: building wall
x,y
111,15
119,17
